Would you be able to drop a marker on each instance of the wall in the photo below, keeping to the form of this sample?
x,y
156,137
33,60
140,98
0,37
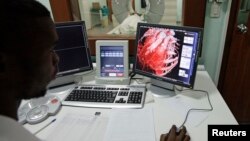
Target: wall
x,y
102,2
85,12
214,39
170,12
179,11
85,7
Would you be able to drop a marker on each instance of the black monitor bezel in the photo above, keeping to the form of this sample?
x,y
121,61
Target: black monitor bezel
x,y
199,45
90,67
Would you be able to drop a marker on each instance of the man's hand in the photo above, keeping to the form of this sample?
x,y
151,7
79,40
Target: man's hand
x,y
175,136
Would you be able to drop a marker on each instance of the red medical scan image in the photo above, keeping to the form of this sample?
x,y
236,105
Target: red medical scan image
x,y
158,51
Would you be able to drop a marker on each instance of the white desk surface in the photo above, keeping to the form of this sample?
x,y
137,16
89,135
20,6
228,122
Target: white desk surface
x,y
167,111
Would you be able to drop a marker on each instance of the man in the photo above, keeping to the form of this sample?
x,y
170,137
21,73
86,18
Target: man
x,y
28,63
27,60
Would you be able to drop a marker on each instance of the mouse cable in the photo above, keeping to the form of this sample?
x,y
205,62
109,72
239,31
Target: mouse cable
x,y
195,109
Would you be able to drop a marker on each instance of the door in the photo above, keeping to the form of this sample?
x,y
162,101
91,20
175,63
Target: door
x,y
234,81
61,10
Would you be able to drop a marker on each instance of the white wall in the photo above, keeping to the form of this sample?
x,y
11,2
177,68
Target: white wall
x,y
170,13
179,11
85,7
85,12
214,40
102,2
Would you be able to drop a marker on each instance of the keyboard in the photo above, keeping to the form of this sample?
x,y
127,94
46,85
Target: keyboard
x,y
107,96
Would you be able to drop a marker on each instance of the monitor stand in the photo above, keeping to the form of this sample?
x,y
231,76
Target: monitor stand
x,y
161,88
112,81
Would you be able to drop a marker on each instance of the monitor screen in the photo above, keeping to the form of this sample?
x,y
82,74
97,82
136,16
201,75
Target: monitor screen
x,y
168,53
112,61
72,49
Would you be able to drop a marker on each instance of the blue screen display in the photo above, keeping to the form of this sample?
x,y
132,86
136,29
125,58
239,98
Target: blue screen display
x,y
112,62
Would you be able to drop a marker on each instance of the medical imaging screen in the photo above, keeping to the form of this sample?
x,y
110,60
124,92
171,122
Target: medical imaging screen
x,y
112,61
72,49
167,53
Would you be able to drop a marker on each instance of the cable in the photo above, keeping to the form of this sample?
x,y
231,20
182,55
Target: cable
x,y
140,81
195,109
131,75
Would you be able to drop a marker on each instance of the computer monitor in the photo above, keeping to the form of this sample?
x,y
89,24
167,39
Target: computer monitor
x,y
73,51
112,59
167,54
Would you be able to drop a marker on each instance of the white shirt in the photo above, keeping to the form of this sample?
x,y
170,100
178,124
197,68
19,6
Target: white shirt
x,y
11,130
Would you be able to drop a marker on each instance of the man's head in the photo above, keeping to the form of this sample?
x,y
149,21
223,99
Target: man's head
x,y
27,60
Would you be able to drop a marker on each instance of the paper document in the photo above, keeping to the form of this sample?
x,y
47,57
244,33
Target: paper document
x,y
131,125
182,104
79,127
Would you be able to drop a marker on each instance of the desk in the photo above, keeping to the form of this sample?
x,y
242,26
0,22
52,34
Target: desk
x,y
165,116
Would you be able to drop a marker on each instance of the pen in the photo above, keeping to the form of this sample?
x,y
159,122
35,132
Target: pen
x,y
44,126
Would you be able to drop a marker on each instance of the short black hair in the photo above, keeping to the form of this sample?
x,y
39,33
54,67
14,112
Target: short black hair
x,y
17,17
